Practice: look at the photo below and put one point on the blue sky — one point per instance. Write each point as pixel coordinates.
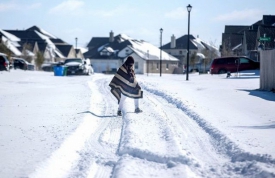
(142, 19)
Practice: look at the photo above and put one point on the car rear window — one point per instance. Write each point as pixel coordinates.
(221, 61)
(73, 60)
(3, 59)
(231, 61)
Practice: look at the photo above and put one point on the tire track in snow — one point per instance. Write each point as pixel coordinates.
(75, 157)
(222, 144)
(198, 143)
(161, 147)
(99, 155)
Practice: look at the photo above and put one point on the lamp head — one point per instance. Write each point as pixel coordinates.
(189, 7)
(161, 30)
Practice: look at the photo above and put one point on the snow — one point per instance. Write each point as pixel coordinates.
(209, 126)
(144, 49)
(125, 37)
(46, 33)
(44, 37)
(12, 45)
(236, 47)
(9, 36)
(82, 49)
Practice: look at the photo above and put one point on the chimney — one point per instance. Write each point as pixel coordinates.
(173, 41)
(111, 39)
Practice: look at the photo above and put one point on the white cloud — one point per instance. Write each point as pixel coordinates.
(179, 13)
(247, 14)
(70, 5)
(114, 12)
(74, 31)
(34, 6)
(10, 6)
(7, 6)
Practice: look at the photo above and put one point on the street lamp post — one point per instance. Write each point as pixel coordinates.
(161, 30)
(75, 47)
(189, 7)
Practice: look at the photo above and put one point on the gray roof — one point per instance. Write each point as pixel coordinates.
(232, 39)
(95, 43)
(268, 20)
(181, 43)
(64, 49)
(235, 28)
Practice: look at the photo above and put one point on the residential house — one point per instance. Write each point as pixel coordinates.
(245, 40)
(232, 39)
(79, 53)
(178, 49)
(267, 32)
(108, 54)
(37, 39)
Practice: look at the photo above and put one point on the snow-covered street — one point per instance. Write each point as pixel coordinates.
(209, 126)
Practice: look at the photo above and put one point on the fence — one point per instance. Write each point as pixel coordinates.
(267, 70)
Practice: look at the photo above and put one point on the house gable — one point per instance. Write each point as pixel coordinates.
(181, 43)
(235, 28)
(65, 49)
(268, 20)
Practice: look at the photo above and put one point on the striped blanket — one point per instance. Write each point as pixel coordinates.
(123, 84)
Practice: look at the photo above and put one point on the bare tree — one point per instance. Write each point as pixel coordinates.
(25, 52)
(39, 59)
(5, 49)
(193, 58)
(209, 55)
(226, 48)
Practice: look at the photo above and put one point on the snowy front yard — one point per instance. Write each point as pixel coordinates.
(209, 126)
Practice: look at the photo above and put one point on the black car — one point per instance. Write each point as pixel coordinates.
(49, 67)
(20, 63)
(4, 62)
(77, 66)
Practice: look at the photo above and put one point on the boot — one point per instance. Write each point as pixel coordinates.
(137, 110)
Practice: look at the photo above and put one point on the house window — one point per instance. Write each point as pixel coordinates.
(157, 66)
(136, 65)
(167, 66)
(180, 52)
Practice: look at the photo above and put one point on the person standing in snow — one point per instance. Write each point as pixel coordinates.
(124, 84)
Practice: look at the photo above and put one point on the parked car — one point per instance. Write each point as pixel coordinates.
(199, 67)
(77, 66)
(4, 62)
(20, 63)
(48, 67)
(232, 64)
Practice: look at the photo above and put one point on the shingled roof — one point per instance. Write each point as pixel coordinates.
(235, 28)
(25, 35)
(181, 43)
(268, 20)
(100, 43)
(232, 39)
(64, 49)
(97, 41)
